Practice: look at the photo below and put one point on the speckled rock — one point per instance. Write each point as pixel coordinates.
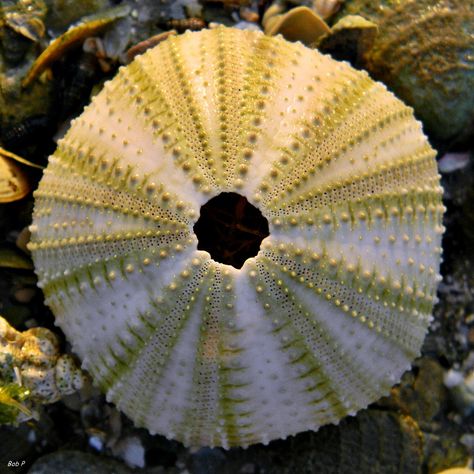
(32, 360)
(62, 13)
(439, 84)
(77, 462)
(421, 392)
(373, 442)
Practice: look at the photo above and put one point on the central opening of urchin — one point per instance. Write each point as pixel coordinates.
(230, 229)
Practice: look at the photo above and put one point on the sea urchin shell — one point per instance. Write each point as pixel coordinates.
(332, 309)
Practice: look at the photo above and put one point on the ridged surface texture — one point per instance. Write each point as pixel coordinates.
(373, 442)
(424, 52)
(335, 305)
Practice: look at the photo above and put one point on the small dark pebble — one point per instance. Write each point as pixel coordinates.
(207, 461)
(78, 75)
(77, 462)
(30, 130)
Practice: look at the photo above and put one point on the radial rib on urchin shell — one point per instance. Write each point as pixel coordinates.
(331, 311)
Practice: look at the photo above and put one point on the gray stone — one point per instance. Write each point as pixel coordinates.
(76, 462)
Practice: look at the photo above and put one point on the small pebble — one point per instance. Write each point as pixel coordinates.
(96, 443)
(248, 15)
(192, 8)
(470, 336)
(468, 440)
(469, 318)
(247, 468)
(453, 378)
(461, 389)
(23, 239)
(131, 451)
(245, 25)
(24, 295)
(73, 401)
(453, 162)
(32, 436)
(468, 363)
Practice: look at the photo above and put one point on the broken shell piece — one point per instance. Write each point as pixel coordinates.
(461, 388)
(326, 8)
(141, 47)
(25, 17)
(19, 159)
(272, 12)
(22, 240)
(34, 29)
(298, 24)
(14, 184)
(457, 470)
(350, 38)
(12, 258)
(89, 26)
(454, 161)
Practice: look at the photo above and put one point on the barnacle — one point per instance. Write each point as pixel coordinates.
(326, 316)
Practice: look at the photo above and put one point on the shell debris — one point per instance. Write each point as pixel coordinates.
(326, 8)
(88, 26)
(25, 17)
(14, 184)
(31, 359)
(297, 24)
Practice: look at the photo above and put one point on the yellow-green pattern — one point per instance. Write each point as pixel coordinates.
(328, 315)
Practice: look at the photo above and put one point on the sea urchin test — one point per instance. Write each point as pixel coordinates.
(208, 141)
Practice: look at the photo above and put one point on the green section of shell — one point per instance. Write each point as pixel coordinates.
(327, 316)
(425, 53)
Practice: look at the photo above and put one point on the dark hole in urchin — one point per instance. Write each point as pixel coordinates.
(230, 229)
